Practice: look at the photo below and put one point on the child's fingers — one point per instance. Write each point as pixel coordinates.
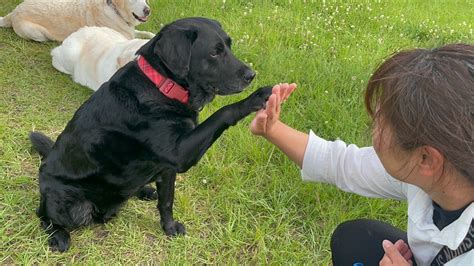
(400, 244)
(282, 89)
(393, 253)
(403, 248)
(262, 120)
(271, 106)
(274, 106)
(276, 89)
(277, 105)
(408, 255)
(290, 90)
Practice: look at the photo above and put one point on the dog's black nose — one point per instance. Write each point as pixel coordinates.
(249, 75)
(146, 11)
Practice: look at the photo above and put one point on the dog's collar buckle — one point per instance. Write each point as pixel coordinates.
(166, 86)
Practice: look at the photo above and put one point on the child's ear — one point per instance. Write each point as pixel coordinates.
(431, 162)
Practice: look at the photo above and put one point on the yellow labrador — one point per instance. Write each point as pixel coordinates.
(92, 55)
(43, 20)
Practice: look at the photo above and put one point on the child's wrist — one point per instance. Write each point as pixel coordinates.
(272, 132)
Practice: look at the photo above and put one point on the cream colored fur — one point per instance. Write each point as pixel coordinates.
(93, 54)
(43, 20)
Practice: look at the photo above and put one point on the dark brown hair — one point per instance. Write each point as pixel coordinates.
(427, 98)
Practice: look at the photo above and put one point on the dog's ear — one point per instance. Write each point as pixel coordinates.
(120, 4)
(216, 22)
(174, 48)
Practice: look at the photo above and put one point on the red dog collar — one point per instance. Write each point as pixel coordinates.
(167, 86)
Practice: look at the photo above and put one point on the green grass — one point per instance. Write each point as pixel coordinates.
(244, 202)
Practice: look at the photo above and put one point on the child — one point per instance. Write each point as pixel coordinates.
(422, 106)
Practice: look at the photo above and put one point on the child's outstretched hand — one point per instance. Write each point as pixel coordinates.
(265, 119)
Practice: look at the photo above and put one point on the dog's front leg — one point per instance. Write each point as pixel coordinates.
(143, 34)
(165, 189)
(192, 145)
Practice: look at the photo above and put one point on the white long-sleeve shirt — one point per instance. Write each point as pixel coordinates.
(360, 171)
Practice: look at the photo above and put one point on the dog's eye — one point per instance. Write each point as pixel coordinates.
(218, 50)
(214, 54)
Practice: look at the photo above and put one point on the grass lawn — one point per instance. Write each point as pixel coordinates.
(244, 202)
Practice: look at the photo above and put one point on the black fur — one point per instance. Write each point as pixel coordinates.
(128, 134)
(41, 143)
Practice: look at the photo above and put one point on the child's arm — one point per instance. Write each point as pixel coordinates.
(349, 167)
(267, 124)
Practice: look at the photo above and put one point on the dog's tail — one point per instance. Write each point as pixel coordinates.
(5, 21)
(41, 143)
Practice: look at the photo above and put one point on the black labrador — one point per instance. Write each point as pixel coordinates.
(131, 133)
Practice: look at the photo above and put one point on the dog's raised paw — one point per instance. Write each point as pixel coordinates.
(258, 99)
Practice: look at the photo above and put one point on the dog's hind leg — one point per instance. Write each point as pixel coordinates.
(147, 193)
(28, 30)
(5, 21)
(165, 189)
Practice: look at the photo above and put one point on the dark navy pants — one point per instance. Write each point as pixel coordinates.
(361, 241)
